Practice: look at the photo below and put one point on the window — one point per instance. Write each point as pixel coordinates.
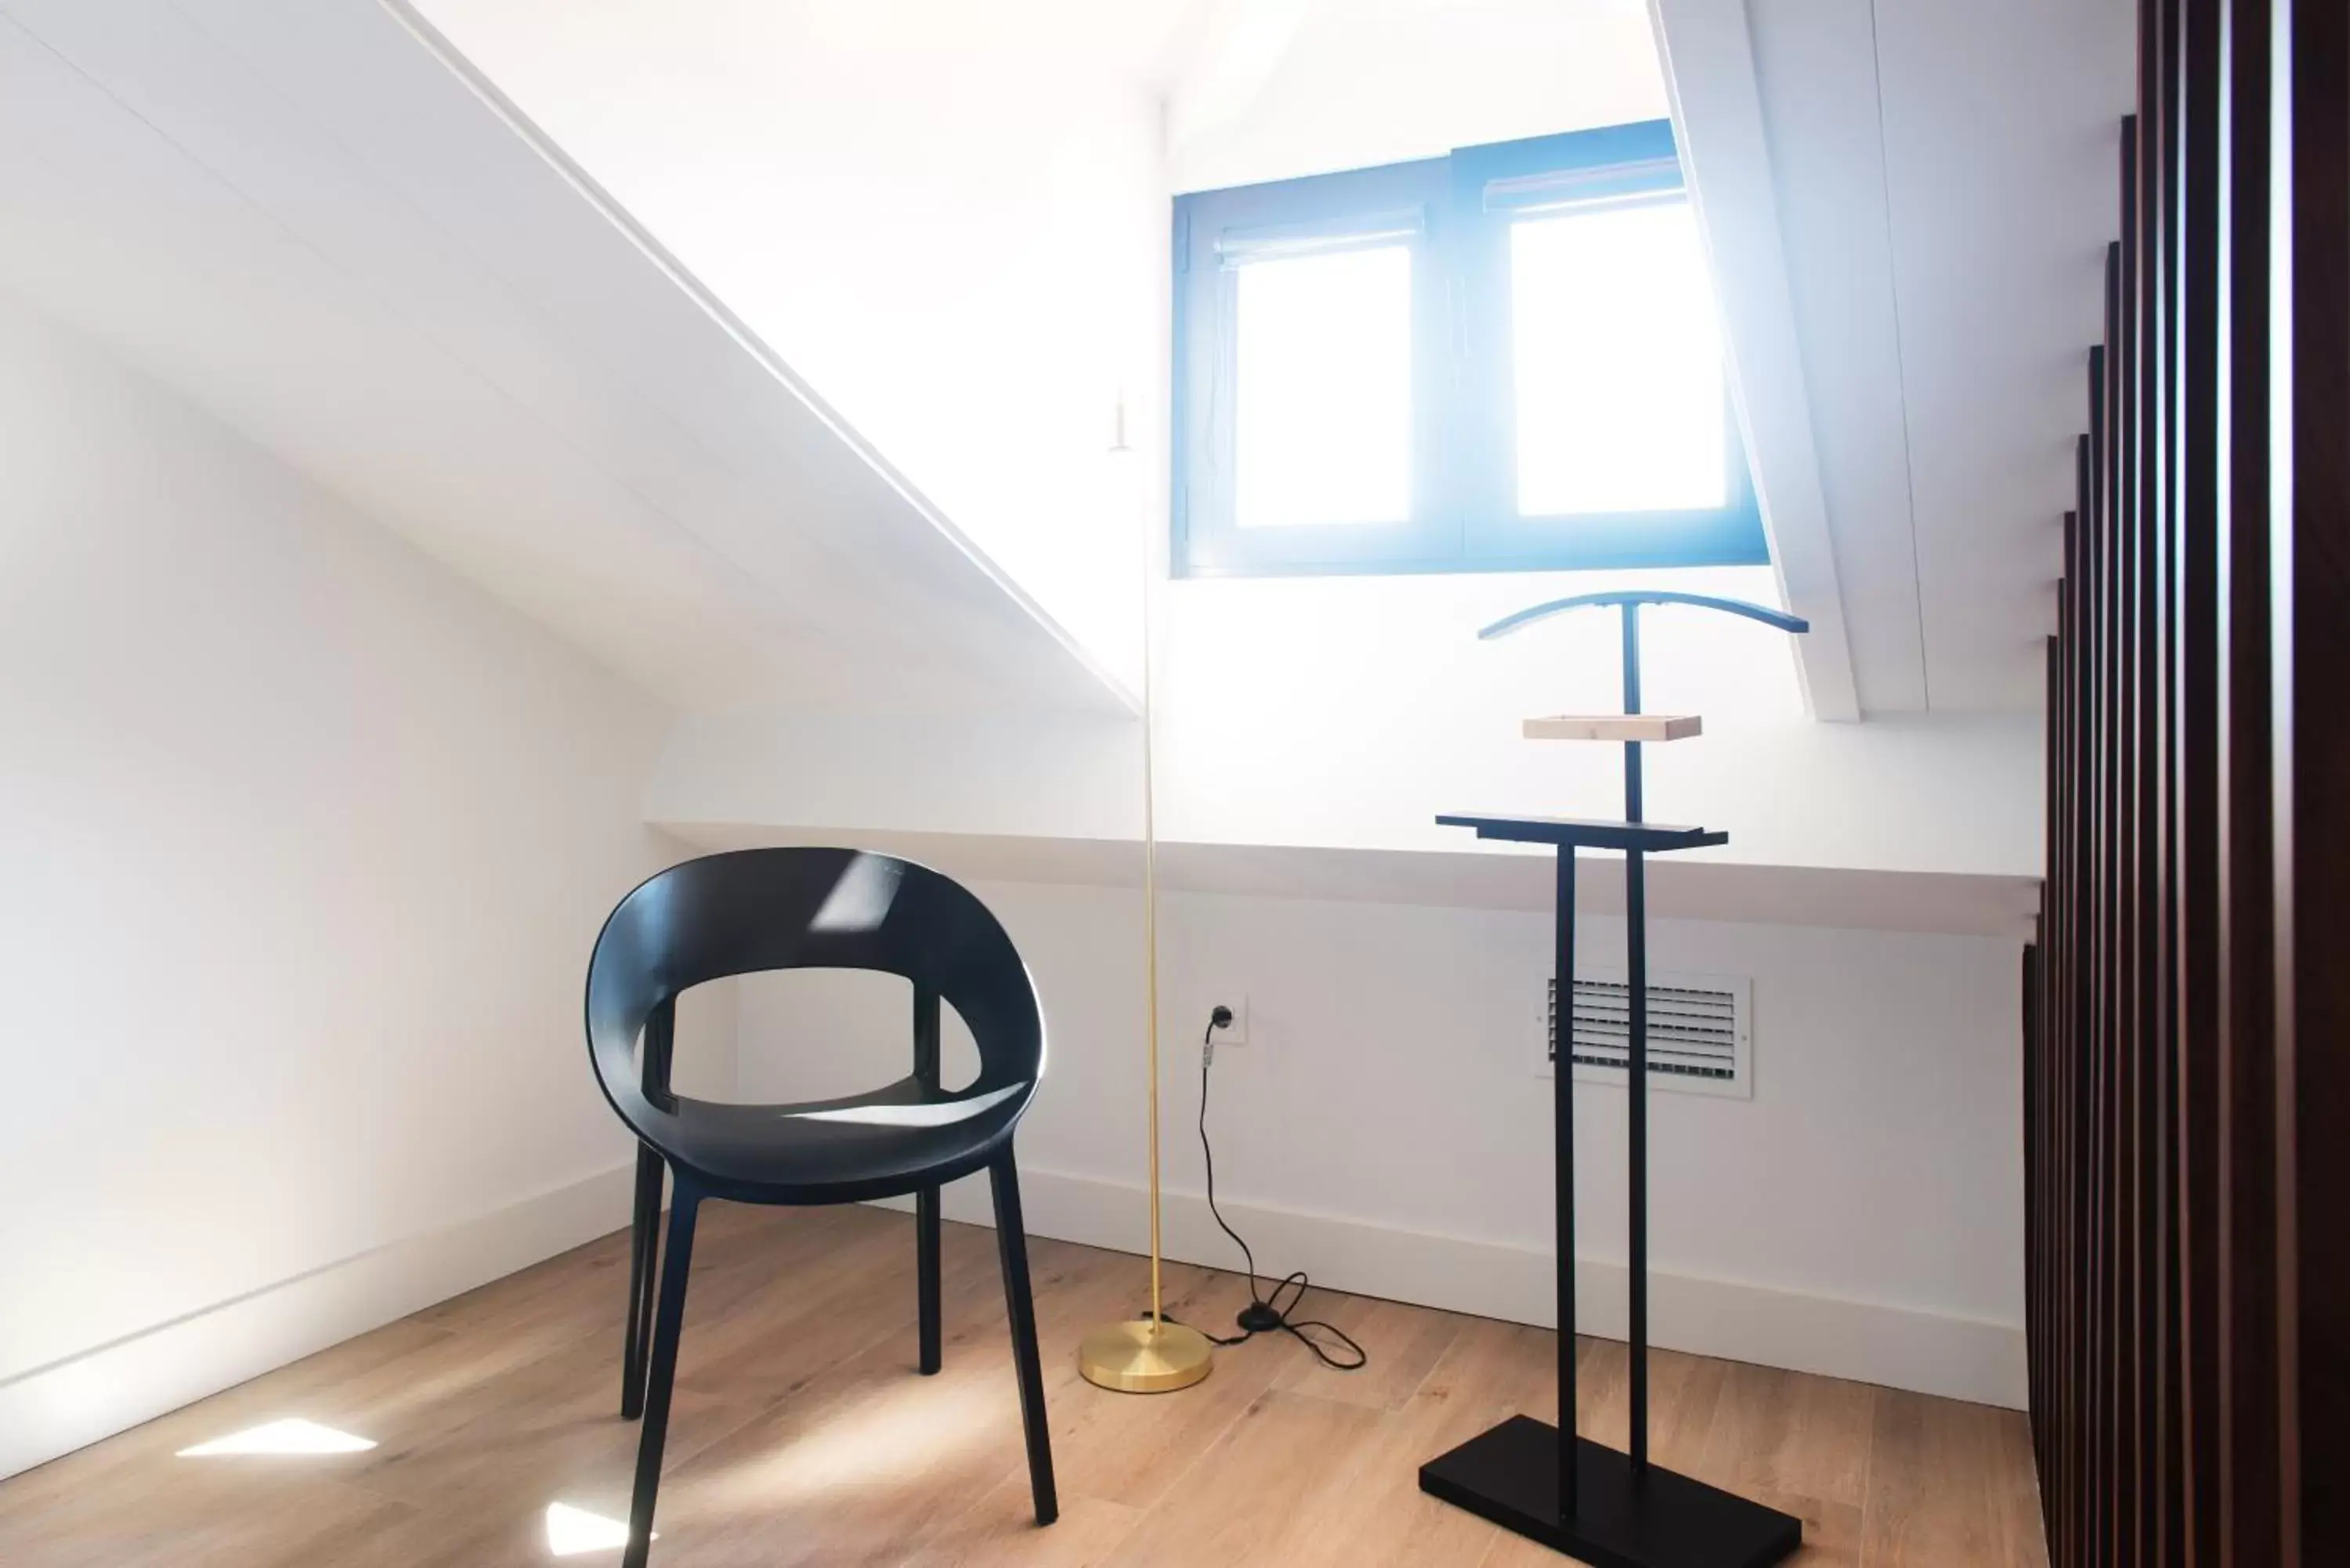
(1504, 359)
(1322, 397)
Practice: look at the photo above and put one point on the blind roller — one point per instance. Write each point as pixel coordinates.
(1613, 184)
(1285, 242)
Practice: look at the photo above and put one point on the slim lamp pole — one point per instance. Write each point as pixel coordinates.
(1150, 935)
(1148, 1355)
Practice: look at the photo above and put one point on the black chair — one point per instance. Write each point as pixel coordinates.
(759, 910)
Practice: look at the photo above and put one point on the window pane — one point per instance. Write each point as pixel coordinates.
(1322, 401)
(1618, 363)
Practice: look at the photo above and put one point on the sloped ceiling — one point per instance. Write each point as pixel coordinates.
(1909, 200)
(1272, 89)
(302, 218)
(299, 215)
(1911, 221)
(1945, 177)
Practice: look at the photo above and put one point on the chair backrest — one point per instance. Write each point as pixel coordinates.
(757, 909)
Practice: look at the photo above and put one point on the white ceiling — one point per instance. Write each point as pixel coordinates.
(1946, 182)
(1271, 89)
(1937, 182)
(305, 221)
(297, 214)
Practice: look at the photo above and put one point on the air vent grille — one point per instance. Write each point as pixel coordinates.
(1698, 1036)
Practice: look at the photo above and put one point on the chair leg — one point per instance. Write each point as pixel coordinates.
(1012, 1244)
(667, 1323)
(644, 1254)
(926, 1274)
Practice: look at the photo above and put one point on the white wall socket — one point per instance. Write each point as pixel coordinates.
(1237, 1034)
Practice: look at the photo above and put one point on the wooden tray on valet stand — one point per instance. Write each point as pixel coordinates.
(1612, 1510)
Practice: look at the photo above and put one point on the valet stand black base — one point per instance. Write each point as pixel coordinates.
(1622, 1518)
(1610, 1509)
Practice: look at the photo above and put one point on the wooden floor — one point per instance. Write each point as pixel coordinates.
(802, 1434)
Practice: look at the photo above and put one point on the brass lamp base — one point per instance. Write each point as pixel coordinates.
(1139, 1356)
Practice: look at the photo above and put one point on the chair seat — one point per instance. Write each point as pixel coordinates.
(895, 1139)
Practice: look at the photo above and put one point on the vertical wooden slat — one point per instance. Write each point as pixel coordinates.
(2151, 1048)
(2188, 989)
(2249, 1500)
(2310, 542)
(2121, 1367)
(2195, 835)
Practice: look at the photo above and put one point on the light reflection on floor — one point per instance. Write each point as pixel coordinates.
(897, 1435)
(290, 1436)
(571, 1531)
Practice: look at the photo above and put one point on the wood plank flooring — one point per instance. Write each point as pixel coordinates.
(801, 1435)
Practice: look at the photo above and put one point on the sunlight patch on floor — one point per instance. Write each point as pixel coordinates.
(291, 1436)
(573, 1532)
(899, 1436)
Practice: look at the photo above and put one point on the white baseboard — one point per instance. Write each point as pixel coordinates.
(1869, 1342)
(55, 1409)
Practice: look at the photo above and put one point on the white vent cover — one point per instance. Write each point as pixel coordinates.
(1699, 1037)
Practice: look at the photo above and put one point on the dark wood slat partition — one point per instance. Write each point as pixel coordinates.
(2187, 1097)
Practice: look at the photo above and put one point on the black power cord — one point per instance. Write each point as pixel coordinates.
(1267, 1312)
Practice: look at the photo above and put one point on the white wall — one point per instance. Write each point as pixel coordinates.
(992, 774)
(1364, 82)
(1861, 1215)
(306, 840)
(1349, 711)
(954, 227)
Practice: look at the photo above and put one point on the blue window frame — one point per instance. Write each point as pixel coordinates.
(1505, 359)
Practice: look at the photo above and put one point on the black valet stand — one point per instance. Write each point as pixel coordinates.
(1612, 1510)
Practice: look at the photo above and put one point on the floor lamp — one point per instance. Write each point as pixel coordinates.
(1147, 1354)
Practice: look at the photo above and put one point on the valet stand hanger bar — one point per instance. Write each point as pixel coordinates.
(1633, 598)
(1609, 1509)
